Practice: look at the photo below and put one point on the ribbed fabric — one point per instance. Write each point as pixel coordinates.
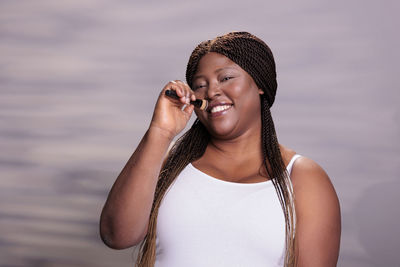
(204, 221)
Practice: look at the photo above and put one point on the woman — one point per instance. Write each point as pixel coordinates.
(227, 194)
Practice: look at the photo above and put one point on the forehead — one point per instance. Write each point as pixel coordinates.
(213, 61)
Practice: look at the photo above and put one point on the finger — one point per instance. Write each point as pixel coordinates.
(189, 92)
(184, 91)
(188, 109)
(191, 95)
(171, 85)
(175, 86)
(178, 89)
(187, 97)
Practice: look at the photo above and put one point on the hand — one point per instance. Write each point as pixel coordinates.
(171, 115)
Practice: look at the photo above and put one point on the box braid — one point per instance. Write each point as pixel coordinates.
(255, 57)
(276, 168)
(187, 148)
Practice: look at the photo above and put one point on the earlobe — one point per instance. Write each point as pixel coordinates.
(261, 92)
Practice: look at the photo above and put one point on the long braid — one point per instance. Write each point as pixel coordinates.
(255, 57)
(187, 148)
(274, 165)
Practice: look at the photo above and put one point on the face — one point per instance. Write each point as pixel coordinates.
(234, 98)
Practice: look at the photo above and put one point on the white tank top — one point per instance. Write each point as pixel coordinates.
(204, 221)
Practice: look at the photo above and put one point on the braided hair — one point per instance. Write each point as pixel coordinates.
(255, 57)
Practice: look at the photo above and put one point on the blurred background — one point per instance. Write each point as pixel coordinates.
(79, 80)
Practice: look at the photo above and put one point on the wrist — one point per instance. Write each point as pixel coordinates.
(161, 133)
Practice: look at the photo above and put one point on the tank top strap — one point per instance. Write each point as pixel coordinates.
(291, 162)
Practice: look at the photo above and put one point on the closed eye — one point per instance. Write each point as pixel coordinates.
(199, 86)
(226, 78)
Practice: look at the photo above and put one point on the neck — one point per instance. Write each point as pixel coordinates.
(240, 149)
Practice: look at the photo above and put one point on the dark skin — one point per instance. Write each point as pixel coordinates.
(235, 147)
(233, 154)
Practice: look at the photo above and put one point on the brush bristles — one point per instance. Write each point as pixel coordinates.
(200, 103)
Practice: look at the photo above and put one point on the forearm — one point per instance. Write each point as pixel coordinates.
(126, 212)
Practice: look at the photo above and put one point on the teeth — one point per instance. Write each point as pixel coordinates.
(219, 108)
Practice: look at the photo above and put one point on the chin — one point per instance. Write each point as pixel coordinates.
(224, 131)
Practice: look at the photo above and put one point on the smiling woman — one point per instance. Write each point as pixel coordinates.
(224, 83)
(227, 193)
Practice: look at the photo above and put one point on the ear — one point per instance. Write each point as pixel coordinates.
(261, 92)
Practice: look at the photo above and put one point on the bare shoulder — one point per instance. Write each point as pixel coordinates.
(308, 175)
(312, 185)
(317, 212)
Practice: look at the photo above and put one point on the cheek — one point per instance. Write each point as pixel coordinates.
(237, 91)
(200, 93)
(200, 114)
(242, 88)
(246, 94)
(251, 104)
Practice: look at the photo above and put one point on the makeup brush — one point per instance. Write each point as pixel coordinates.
(198, 103)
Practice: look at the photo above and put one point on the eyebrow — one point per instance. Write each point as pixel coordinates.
(216, 71)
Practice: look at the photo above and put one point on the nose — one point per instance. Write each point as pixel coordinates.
(213, 90)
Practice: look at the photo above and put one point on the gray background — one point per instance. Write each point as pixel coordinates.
(79, 80)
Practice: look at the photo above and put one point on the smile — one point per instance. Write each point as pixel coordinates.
(220, 108)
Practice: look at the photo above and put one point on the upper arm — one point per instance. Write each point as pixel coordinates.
(318, 222)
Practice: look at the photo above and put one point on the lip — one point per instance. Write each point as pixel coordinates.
(219, 113)
(214, 104)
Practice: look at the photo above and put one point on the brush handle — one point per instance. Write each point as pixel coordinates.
(198, 103)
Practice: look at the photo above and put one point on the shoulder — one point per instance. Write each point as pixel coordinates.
(312, 185)
(317, 212)
(307, 175)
